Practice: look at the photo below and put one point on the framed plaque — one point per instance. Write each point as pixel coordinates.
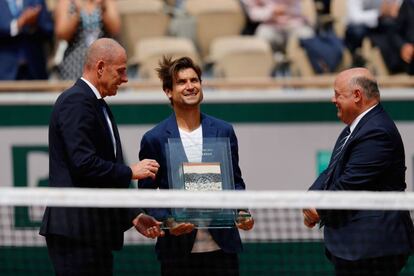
(214, 172)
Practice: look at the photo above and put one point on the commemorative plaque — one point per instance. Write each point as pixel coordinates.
(212, 172)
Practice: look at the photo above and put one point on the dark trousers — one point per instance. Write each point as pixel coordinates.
(380, 266)
(217, 263)
(76, 258)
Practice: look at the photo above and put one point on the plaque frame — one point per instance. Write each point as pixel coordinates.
(213, 173)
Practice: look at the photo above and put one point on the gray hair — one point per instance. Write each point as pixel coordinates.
(368, 85)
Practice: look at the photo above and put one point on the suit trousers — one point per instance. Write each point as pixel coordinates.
(379, 266)
(217, 263)
(72, 257)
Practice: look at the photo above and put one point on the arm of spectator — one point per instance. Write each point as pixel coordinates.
(111, 18)
(407, 52)
(258, 11)
(67, 18)
(390, 9)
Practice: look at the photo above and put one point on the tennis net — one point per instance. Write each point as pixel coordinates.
(279, 243)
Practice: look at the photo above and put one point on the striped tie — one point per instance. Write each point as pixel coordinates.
(342, 139)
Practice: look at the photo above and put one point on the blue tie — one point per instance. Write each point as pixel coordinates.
(336, 154)
(105, 109)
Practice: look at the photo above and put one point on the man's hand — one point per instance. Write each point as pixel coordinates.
(407, 52)
(244, 221)
(310, 217)
(144, 169)
(179, 228)
(148, 226)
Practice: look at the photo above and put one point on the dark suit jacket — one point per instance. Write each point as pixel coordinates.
(372, 160)
(153, 146)
(28, 45)
(404, 32)
(81, 155)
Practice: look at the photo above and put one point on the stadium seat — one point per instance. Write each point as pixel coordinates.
(309, 11)
(373, 57)
(241, 56)
(215, 18)
(149, 51)
(338, 13)
(141, 19)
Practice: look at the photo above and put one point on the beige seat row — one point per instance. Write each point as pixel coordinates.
(217, 40)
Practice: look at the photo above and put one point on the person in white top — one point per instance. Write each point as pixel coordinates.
(186, 250)
(369, 18)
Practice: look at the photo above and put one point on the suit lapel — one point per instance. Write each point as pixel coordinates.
(172, 132)
(376, 110)
(102, 120)
(172, 127)
(209, 131)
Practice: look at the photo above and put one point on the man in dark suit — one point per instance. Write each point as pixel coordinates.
(402, 40)
(25, 27)
(185, 250)
(85, 152)
(369, 156)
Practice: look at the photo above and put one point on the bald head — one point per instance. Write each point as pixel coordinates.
(356, 91)
(105, 49)
(362, 79)
(106, 66)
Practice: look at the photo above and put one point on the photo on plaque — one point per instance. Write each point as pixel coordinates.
(202, 176)
(214, 172)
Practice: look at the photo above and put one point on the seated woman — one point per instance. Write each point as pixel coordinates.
(80, 22)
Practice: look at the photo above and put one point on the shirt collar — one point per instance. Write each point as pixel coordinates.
(94, 90)
(360, 116)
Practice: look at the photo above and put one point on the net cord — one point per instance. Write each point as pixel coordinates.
(84, 197)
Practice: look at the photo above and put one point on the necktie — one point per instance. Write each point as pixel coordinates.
(336, 154)
(326, 215)
(105, 110)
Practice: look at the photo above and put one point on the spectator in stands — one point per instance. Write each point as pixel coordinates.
(368, 156)
(403, 37)
(25, 28)
(277, 20)
(185, 250)
(85, 152)
(80, 22)
(323, 6)
(374, 19)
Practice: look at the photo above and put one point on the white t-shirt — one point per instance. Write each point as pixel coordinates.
(193, 147)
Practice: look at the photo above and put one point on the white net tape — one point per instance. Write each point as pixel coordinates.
(221, 199)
